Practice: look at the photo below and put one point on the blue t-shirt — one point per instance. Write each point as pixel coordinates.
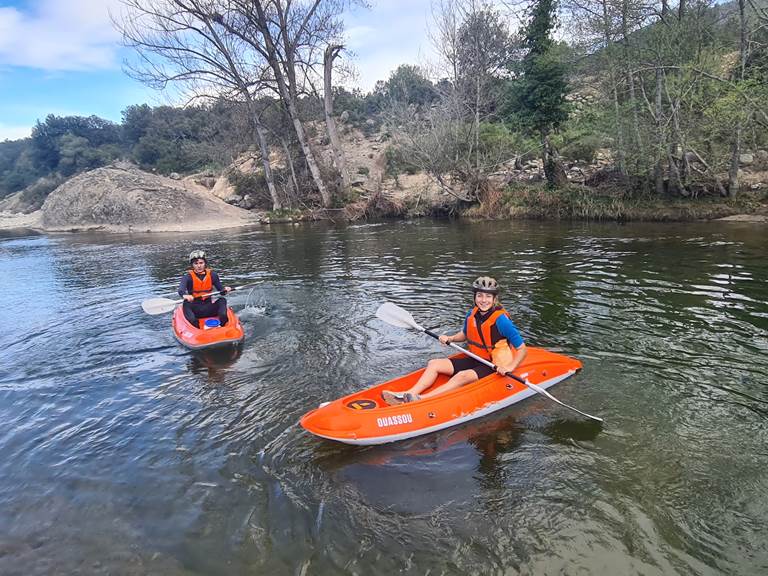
(505, 328)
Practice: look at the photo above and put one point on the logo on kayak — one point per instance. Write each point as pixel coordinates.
(362, 404)
(394, 420)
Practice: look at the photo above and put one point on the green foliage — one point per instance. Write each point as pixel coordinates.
(580, 203)
(362, 110)
(180, 139)
(536, 100)
(64, 140)
(17, 167)
(253, 185)
(407, 85)
(498, 141)
(584, 133)
(398, 163)
(136, 121)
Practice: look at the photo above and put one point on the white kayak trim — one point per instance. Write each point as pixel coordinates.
(217, 344)
(484, 411)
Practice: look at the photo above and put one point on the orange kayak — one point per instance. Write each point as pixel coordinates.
(364, 418)
(199, 338)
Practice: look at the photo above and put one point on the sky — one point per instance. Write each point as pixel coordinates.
(64, 57)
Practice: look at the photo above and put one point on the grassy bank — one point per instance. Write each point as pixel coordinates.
(580, 203)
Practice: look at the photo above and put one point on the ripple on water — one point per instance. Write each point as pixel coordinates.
(123, 452)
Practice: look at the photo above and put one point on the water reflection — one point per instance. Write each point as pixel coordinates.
(214, 363)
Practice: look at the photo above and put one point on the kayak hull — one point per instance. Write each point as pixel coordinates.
(363, 418)
(196, 338)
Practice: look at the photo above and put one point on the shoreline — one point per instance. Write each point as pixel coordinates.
(529, 204)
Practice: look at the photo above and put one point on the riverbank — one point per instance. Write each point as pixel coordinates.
(515, 202)
(582, 203)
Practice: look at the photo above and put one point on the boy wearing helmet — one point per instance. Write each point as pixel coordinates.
(489, 333)
(197, 282)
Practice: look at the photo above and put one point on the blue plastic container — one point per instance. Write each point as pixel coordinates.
(212, 323)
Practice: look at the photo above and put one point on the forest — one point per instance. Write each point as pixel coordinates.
(675, 96)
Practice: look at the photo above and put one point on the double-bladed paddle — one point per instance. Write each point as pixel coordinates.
(156, 306)
(393, 314)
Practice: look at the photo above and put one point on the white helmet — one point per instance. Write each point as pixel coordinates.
(485, 284)
(196, 255)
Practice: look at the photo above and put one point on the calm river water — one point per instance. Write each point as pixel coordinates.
(123, 453)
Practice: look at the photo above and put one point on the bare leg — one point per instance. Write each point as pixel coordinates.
(457, 381)
(434, 368)
(428, 377)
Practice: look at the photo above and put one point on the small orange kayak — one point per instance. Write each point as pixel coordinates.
(200, 338)
(364, 418)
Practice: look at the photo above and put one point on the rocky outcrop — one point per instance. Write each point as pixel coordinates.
(121, 197)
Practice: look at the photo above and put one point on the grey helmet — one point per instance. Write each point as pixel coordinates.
(196, 255)
(486, 284)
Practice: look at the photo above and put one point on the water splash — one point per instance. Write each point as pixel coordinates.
(255, 304)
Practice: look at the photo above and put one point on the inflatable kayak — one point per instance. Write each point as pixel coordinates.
(364, 418)
(200, 338)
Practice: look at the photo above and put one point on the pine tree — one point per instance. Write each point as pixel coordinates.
(538, 95)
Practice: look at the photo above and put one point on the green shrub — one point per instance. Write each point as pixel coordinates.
(582, 149)
(397, 163)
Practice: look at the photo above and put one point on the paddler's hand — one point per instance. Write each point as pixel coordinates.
(188, 297)
(444, 340)
(503, 370)
(228, 289)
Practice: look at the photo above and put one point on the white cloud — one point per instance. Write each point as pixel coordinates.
(56, 35)
(14, 132)
(391, 33)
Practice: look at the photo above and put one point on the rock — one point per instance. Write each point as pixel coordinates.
(222, 188)
(344, 117)
(746, 159)
(122, 199)
(233, 199)
(248, 202)
(370, 122)
(358, 179)
(174, 176)
(761, 160)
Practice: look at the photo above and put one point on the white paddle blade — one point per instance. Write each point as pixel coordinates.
(393, 314)
(156, 306)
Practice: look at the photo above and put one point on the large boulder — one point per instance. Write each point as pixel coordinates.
(121, 197)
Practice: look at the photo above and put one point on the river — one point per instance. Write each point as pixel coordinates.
(123, 453)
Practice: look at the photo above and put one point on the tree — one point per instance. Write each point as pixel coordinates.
(408, 85)
(538, 95)
(483, 52)
(291, 37)
(189, 42)
(331, 53)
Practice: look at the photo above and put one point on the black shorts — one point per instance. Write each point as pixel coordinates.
(467, 363)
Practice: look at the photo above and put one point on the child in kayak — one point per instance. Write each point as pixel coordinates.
(489, 333)
(200, 280)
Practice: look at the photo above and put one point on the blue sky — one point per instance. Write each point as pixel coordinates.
(64, 57)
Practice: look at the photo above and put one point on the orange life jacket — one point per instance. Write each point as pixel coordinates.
(479, 341)
(203, 286)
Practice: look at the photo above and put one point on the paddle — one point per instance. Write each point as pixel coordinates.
(393, 314)
(156, 306)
